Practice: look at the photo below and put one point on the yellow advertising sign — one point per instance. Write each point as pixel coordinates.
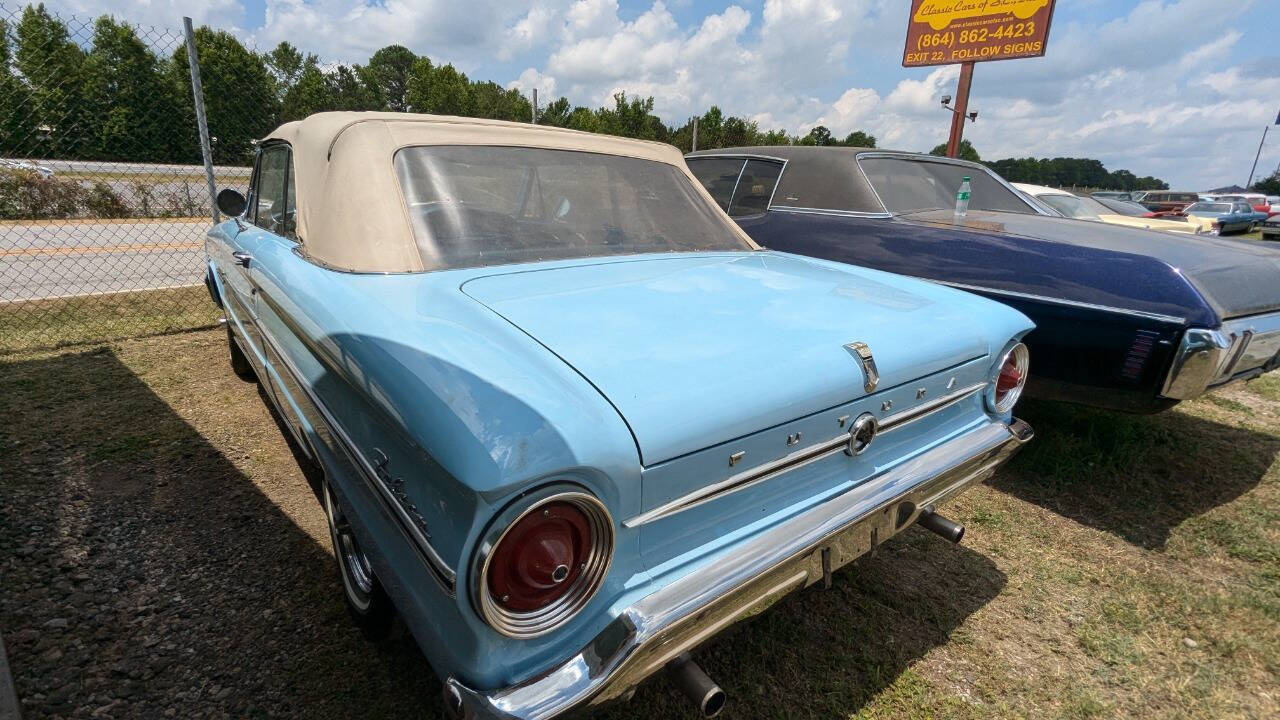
(944, 32)
(941, 13)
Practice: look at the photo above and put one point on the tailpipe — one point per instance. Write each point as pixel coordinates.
(932, 521)
(694, 683)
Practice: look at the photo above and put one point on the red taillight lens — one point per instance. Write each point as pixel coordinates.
(1011, 378)
(539, 559)
(543, 564)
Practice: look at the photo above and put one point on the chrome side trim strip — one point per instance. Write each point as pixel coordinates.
(442, 572)
(901, 419)
(792, 461)
(1060, 301)
(836, 213)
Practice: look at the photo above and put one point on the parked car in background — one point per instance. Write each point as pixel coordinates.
(26, 166)
(1112, 195)
(1223, 217)
(1271, 228)
(1274, 202)
(1125, 318)
(1257, 201)
(573, 422)
(1164, 200)
(1088, 208)
(1133, 209)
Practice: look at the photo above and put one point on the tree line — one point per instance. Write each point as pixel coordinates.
(114, 98)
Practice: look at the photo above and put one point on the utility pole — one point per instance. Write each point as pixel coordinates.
(695, 134)
(534, 120)
(962, 107)
(1256, 156)
(197, 98)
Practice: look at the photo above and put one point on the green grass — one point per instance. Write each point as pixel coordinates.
(95, 318)
(1089, 563)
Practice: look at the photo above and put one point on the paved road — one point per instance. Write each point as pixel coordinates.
(121, 168)
(59, 259)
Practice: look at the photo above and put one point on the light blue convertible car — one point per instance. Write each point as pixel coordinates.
(572, 421)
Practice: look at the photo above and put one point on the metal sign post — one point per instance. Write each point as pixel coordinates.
(962, 107)
(197, 95)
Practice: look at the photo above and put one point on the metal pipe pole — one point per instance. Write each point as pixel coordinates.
(695, 134)
(535, 107)
(1256, 156)
(962, 107)
(197, 96)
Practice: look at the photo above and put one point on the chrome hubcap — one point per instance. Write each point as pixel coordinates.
(357, 572)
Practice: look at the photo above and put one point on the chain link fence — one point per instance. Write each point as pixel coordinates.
(103, 198)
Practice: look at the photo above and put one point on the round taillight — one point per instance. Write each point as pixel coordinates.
(546, 565)
(1011, 378)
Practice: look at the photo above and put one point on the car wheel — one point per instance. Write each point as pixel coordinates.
(367, 602)
(239, 363)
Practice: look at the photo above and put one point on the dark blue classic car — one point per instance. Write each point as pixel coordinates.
(1125, 318)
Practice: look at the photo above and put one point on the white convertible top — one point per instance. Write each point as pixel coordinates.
(351, 214)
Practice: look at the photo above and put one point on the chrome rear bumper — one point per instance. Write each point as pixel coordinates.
(751, 577)
(1241, 349)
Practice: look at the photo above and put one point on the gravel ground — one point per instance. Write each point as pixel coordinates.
(162, 554)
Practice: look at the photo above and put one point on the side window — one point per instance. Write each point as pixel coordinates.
(271, 201)
(718, 175)
(755, 187)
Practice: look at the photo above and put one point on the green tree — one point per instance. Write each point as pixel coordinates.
(17, 122)
(53, 66)
(449, 93)
(710, 129)
(820, 135)
(1267, 186)
(388, 71)
(490, 100)
(351, 89)
(417, 93)
(286, 64)
(310, 93)
(135, 112)
(858, 138)
(239, 94)
(556, 113)
(966, 151)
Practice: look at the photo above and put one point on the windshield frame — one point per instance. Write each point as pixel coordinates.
(918, 157)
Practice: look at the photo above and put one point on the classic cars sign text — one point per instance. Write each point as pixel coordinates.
(945, 32)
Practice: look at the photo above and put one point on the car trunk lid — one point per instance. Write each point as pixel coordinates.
(696, 350)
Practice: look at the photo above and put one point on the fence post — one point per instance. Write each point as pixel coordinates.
(197, 94)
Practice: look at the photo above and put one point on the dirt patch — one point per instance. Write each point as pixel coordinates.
(162, 553)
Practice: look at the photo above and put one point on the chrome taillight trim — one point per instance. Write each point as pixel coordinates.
(1022, 356)
(524, 625)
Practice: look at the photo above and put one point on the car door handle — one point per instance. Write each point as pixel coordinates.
(242, 258)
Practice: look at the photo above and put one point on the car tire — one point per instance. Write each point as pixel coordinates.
(370, 607)
(239, 363)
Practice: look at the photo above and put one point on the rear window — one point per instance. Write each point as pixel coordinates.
(913, 184)
(479, 205)
(1206, 207)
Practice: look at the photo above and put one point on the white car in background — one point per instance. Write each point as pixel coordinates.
(1087, 208)
(26, 166)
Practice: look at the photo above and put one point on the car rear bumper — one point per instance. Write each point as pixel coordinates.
(752, 576)
(1241, 349)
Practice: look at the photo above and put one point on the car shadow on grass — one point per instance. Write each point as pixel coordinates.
(1135, 476)
(827, 653)
(141, 569)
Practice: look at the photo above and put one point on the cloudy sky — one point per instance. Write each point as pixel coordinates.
(1180, 89)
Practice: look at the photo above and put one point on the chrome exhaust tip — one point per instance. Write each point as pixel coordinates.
(695, 685)
(933, 522)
